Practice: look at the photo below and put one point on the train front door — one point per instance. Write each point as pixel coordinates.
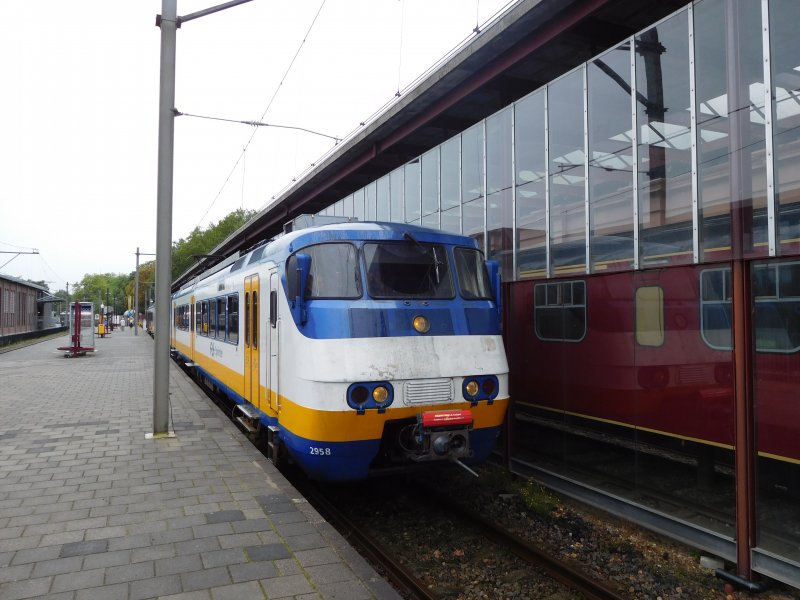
(252, 388)
(273, 336)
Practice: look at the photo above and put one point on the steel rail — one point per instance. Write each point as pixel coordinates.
(563, 572)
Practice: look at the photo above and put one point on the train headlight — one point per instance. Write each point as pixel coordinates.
(480, 387)
(380, 394)
(359, 394)
(421, 324)
(372, 395)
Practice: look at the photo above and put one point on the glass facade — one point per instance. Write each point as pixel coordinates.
(629, 199)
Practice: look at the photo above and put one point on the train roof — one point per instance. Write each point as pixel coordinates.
(279, 249)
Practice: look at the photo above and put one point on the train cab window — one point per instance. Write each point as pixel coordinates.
(407, 270)
(715, 308)
(776, 289)
(472, 277)
(233, 318)
(650, 316)
(559, 311)
(334, 272)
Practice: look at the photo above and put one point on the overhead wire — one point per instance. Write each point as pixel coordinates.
(269, 104)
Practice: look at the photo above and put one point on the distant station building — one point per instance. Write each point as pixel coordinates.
(634, 168)
(26, 309)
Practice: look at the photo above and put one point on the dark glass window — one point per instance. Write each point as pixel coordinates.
(233, 318)
(472, 277)
(559, 311)
(776, 288)
(407, 270)
(222, 320)
(334, 272)
(715, 308)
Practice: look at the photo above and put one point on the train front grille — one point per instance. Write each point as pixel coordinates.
(428, 391)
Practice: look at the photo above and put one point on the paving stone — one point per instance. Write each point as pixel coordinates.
(221, 558)
(29, 588)
(267, 552)
(209, 578)
(250, 590)
(225, 516)
(350, 590)
(82, 548)
(283, 587)
(155, 587)
(117, 591)
(253, 570)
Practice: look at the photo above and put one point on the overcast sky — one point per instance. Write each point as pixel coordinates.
(79, 122)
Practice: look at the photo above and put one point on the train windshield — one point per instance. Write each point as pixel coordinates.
(334, 272)
(472, 276)
(408, 269)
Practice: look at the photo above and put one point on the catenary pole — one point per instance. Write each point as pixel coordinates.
(168, 23)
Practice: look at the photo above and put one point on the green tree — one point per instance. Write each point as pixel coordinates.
(202, 241)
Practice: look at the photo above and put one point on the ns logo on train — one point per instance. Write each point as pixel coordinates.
(353, 348)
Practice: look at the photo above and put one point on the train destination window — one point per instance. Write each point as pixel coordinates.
(407, 270)
(472, 277)
(559, 311)
(650, 316)
(233, 318)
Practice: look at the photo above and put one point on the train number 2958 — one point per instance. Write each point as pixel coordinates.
(319, 451)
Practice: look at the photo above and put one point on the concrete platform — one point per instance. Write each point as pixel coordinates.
(90, 509)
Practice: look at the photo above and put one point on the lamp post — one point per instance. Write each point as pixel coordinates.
(136, 293)
(168, 21)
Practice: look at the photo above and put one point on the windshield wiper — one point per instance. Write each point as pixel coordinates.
(429, 251)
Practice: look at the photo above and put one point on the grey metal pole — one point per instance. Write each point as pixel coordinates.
(166, 143)
(136, 297)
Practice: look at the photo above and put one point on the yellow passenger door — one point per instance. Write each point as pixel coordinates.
(251, 351)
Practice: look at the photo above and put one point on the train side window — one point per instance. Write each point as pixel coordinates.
(212, 318)
(715, 308)
(233, 318)
(255, 319)
(204, 309)
(650, 316)
(273, 309)
(776, 289)
(247, 319)
(222, 320)
(559, 311)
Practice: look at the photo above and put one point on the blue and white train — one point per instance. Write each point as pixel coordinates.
(354, 348)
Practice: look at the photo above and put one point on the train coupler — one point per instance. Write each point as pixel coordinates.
(442, 435)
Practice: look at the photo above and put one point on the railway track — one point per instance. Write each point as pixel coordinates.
(411, 584)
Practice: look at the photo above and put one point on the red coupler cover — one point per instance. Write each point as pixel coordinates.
(446, 418)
